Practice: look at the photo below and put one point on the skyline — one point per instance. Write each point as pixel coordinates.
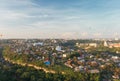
(59, 18)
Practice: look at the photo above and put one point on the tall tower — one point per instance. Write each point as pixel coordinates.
(105, 43)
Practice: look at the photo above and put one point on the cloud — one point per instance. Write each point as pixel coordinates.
(84, 34)
(68, 35)
(9, 15)
(53, 19)
(97, 34)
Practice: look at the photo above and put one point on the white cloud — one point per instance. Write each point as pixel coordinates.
(29, 19)
(84, 34)
(68, 35)
(9, 15)
(97, 34)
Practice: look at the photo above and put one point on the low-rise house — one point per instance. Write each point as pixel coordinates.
(94, 71)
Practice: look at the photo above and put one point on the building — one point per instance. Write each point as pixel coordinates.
(38, 44)
(58, 48)
(105, 44)
(93, 44)
(115, 45)
(94, 71)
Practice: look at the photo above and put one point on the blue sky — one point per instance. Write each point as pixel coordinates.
(60, 18)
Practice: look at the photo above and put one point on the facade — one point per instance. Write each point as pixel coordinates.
(58, 48)
(116, 45)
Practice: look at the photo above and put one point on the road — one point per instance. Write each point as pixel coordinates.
(30, 65)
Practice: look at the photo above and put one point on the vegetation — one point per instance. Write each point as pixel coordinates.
(25, 73)
(20, 73)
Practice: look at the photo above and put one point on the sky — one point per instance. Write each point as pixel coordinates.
(60, 18)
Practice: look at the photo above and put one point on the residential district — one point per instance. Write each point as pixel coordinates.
(84, 56)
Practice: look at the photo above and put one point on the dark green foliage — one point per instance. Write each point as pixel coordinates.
(20, 73)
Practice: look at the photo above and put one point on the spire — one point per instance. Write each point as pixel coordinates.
(105, 43)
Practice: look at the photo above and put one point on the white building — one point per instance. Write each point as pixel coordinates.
(58, 48)
(93, 44)
(105, 44)
(64, 55)
(38, 44)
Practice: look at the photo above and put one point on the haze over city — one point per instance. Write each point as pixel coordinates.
(59, 18)
(59, 40)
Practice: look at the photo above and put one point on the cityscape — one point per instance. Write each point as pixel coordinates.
(59, 40)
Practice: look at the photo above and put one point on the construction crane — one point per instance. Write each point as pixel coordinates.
(0, 39)
(1, 36)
